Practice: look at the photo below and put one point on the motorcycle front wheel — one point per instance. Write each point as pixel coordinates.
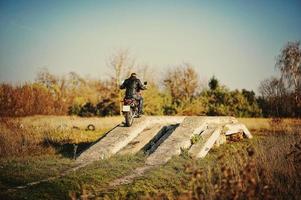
(129, 118)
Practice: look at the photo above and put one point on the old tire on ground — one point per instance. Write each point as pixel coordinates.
(90, 127)
(128, 119)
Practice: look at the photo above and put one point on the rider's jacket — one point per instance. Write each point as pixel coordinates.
(133, 86)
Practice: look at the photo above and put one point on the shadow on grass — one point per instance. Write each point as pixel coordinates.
(72, 150)
(66, 149)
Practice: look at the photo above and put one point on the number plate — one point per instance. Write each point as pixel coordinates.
(126, 108)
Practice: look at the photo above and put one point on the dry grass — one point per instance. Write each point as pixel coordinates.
(35, 135)
(58, 122)
(256, 123)
(17, 141)
(271, 125)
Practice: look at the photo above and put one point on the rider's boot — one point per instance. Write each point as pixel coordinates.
(140, 113)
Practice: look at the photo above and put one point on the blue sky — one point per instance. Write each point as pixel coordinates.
(237, 41)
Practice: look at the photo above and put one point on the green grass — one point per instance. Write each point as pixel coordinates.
(20, 171)
(96, 175)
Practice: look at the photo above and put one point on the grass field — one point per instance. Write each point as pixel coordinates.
(34, 148)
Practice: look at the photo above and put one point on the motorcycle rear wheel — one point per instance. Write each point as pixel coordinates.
(129, 118)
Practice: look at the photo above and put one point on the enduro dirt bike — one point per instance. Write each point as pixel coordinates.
(130, 110)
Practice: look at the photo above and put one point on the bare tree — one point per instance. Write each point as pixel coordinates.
(275, 94)
(122, 65)
(145, 72)
(47, 79)
(289, 64)
(182, 82)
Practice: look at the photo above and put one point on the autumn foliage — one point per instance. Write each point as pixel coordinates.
(178, 91)
(28, 99)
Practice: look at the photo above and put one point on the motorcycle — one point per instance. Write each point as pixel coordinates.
(130, 110)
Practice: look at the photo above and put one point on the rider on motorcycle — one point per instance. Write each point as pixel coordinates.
(133, 86)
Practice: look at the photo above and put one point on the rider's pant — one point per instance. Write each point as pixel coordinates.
(140, 100)
(141, 105)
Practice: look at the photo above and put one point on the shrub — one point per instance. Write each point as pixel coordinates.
(88, 110)
(74, 109)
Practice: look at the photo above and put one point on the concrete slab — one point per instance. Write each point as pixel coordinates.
(200, 150)
(195, 148)
(180, 138)
(221, 140)
(141, 140)
(237, 128)
(159, 139)
(222, 120)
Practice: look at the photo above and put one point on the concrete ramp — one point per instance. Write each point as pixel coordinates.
(120, 136)
(161, 138)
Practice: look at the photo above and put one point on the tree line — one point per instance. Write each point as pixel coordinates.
(281, 96)
(178, 92)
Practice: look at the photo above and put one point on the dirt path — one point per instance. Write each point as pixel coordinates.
(138, 172)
